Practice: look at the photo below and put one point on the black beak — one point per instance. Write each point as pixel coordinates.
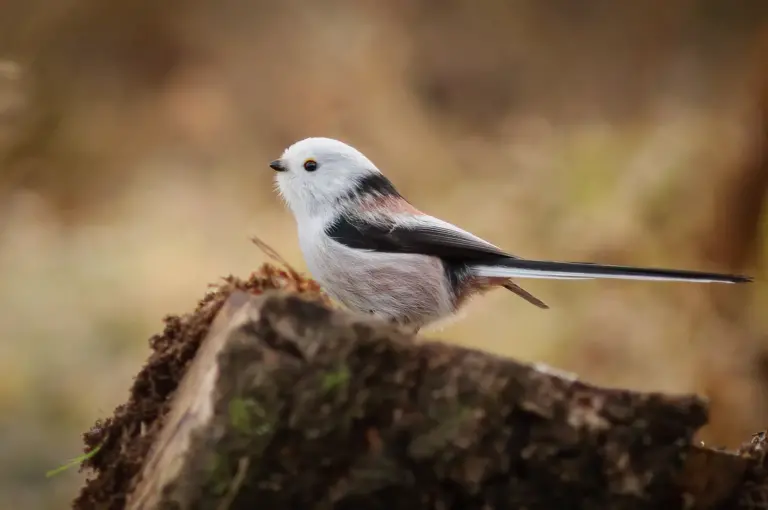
(277, 166)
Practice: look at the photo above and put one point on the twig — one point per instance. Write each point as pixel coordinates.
(237, 482)
(272, 253)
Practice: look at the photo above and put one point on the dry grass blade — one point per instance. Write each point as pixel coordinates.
(272, 253)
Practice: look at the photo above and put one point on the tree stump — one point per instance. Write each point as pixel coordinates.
(290, 404)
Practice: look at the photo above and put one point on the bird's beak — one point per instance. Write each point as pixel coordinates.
(277, 165)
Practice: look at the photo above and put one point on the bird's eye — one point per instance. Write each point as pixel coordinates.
(310, 165)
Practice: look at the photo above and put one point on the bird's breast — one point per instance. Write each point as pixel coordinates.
(409, 288)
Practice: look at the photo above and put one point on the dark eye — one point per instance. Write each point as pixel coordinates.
(310, 165)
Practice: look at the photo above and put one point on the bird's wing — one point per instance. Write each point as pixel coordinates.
(427, 235)
(408, 233)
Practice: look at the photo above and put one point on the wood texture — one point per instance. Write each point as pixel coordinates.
(289, 404)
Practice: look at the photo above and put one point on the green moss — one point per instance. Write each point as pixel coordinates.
(248, 417)
(336, 378)
(448, 424)
(452, 420)
(252, 425)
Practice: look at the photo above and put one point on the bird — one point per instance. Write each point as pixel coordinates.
(375, 253)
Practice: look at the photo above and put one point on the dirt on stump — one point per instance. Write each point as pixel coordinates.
(125, 438)
(753, 494)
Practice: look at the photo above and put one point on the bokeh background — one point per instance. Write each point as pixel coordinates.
(135, 137)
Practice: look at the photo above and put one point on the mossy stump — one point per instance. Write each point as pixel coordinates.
(290, 404)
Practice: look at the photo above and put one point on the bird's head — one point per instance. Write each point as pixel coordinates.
(315, 174)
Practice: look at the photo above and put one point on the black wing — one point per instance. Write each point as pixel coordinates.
(435, 237)
(454, 246)
(430, 236)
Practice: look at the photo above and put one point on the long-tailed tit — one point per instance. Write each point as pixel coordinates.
(374, 252)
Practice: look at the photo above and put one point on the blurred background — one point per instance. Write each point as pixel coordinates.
(135, 137)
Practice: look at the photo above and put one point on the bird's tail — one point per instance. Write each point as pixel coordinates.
(522, 268)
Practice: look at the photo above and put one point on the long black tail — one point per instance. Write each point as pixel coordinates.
(522, 268)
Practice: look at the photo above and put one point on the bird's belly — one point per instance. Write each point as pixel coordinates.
(410, 289)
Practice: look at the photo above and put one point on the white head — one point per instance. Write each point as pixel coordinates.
(315, 173)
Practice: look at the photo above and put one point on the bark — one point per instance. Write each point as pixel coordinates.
(289, 404)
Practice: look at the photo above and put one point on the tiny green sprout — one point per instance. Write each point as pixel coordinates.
(74, 462)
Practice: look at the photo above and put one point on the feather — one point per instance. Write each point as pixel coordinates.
(411, 233)
(426, 235)
(520, 268)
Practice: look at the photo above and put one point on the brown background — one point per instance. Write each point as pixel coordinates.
(135, 137)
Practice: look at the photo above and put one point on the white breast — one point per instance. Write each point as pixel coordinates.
(408, 288)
